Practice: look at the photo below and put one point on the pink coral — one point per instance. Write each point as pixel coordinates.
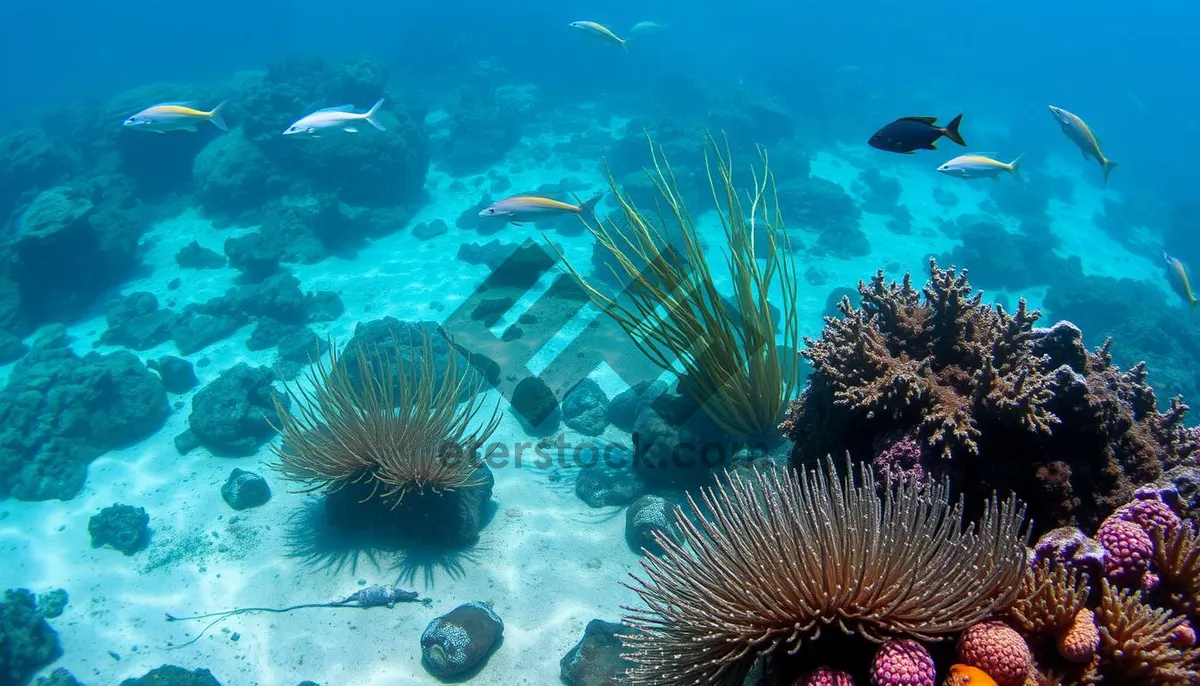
(1150, 514)
(1129, 550)
(997, 649)
(825, 676)
(1184, 636)
(902, 663)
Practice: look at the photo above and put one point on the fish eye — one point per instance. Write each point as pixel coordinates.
(491, 210)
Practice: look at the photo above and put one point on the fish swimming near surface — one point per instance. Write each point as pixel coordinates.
(978, 166)
(340, 118)
(965, 675)
(600, 31)
(909, 134)
(174, 116)
(1181, 283)
(1081, 134)
(529, 207)
(646, 27)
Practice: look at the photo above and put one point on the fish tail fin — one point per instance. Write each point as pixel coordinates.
(624, 44)
(372, 115)
(588, 207)
(1108, 165)
(215, 116)
(951, 131)
(1013, 168)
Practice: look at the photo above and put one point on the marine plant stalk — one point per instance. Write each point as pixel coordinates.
(740, 365)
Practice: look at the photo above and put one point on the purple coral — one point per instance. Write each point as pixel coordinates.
(1073, 548)
(1149, 513)
(902, 663)
(900, 459)
(1129, 550)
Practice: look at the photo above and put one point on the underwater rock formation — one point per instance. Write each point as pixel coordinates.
(820, 206)
(60, 411)
(27, 641)
(234, 414)
(997, 405)
(123, 527)
(596, 660)
(460, 640)
(243, 490)
(171, 675)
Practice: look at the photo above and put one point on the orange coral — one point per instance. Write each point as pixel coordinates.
(1177, 563)
(1137, 642)
(1081, 641)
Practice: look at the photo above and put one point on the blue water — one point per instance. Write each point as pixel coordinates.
(811, 81)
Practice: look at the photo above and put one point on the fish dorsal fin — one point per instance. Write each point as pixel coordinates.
(923, 120)
(337, 108)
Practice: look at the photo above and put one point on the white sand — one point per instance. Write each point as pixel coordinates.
(547, 562)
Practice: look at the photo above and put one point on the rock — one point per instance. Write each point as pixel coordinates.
(195, 256)
(136, 322)
(596, 660)
(232, 416)
(427, 230)
(195, 329)
(585, 408)
(176, 373)
(243, 490)
(535, 406)
(460, 640)
(124, 527)
(451, 519)
(604, 486)
(27, 641)
(59, 412)
(59, 677)
(11, 348)
(624, 409)
(490, 310)
(254, 255)
(170, 675)
(648, 514)
(53, 603)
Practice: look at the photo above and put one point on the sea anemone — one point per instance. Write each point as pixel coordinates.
(398, 430)
(770, 559)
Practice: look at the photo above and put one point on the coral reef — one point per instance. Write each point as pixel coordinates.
(996, 404)
(27, 641)
(60, 411)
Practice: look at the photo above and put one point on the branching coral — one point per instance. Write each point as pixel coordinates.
(398, 430)
(997, 404)
(1177, 563)
(1138, 642)
(1051, 596)
(740, 364)
(769, 560)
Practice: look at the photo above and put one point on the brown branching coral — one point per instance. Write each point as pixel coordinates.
(1177, 563)
(770, 560)
(397, 431)
(1137, 642)
(1050, 597)
(995, 403)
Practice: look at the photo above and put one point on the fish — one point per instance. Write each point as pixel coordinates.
(979, 166)
(965, 675)
(342, 117)
(645, 27)
(174, 116)
(908, 134)
(1177, 275)
(527, 207)
(600, 31)
(1081, 134)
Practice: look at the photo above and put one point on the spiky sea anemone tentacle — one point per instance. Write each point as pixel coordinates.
(769, 560)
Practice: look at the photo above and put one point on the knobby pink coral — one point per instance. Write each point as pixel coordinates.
(998, 650)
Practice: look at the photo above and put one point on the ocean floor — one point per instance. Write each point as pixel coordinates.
(547, 562)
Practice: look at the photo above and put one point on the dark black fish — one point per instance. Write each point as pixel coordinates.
(909, 134)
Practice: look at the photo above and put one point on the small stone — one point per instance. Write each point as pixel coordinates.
(460, 640)
(243, 490)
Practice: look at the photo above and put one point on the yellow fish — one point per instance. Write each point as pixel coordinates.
(174, 116)
(965, 675)
(1081, 134)
(1177, 274)
(600, 31)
